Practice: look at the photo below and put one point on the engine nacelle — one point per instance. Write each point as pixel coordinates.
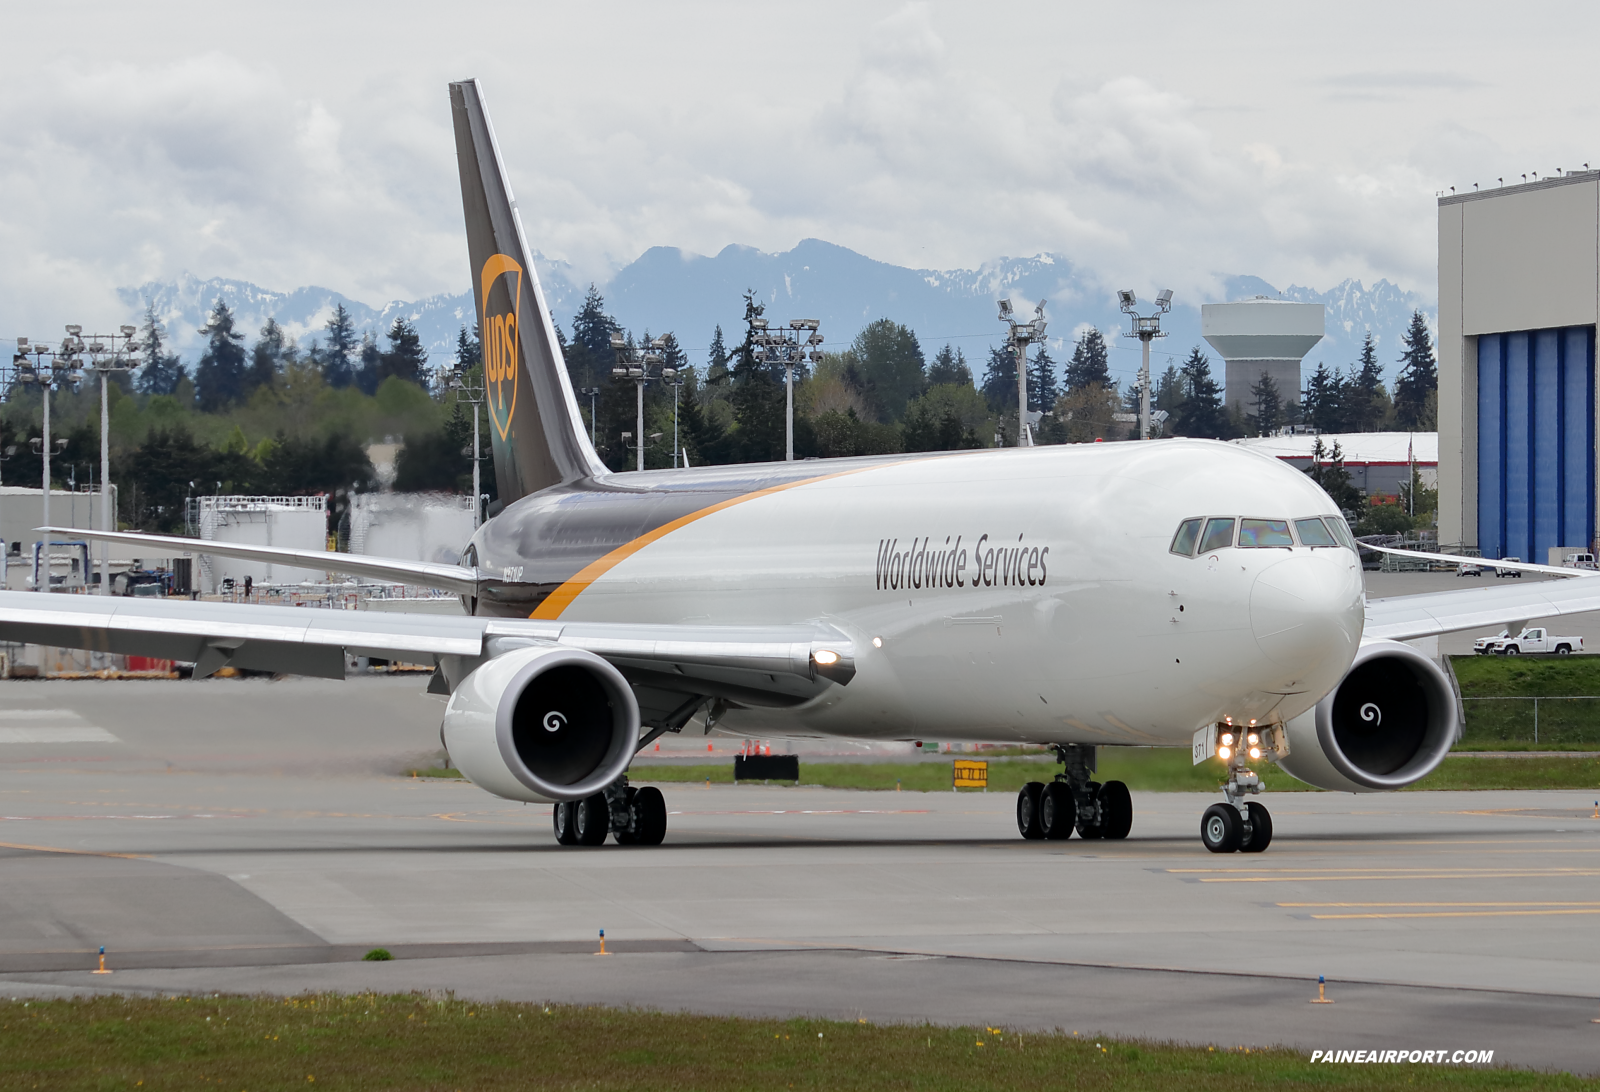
(542, 724)
(1389, 722)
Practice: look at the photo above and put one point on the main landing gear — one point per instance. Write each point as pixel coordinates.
(1230, 828)
(638, 817)
(1073, 801)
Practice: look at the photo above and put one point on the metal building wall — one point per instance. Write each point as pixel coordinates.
(1536, 441)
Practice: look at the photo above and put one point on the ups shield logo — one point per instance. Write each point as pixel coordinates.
(502, 347)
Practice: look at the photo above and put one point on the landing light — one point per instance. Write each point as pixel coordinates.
(825, 658)
(1227, 739)
(1252, 739)
(1224, 753)
(1255, 752)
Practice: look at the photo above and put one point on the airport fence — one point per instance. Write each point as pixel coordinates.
(1566, 722)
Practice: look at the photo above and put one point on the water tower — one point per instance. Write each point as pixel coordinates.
(1261, 335)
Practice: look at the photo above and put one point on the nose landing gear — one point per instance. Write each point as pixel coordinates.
(1230, 827)
(1074, 801)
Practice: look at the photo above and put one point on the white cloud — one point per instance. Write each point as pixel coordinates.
(312, 144)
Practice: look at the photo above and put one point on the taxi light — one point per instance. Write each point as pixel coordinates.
(1252, 739)
(825, 657)
(1227, 739)
(1255, 752)
(1224, 753)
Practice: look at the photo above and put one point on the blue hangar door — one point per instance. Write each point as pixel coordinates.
(1536, 455)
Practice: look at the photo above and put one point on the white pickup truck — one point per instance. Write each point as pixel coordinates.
(1533, 641)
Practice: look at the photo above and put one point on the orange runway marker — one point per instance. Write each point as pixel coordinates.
(102, 969)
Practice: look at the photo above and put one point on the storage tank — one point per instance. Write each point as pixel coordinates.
(1262, 335)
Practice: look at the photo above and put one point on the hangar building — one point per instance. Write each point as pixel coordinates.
(1519, 299)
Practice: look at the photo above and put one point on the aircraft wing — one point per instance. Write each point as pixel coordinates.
(452, 578)
(752, 665)
(1405, 617)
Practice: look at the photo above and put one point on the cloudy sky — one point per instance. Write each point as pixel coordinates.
(293, 144)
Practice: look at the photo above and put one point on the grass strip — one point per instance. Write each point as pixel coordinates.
(371, 1041)
(1145, 769)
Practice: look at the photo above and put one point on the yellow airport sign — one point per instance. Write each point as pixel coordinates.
(971, 775)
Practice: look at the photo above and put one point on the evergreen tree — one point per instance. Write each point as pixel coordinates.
(220, 378)
(1168, 396)
(717, 360)
(1323, 403)
(890, 363)
(406, 358)
(365, 375)
(336, 367)
(1042, 388)
(1000, 380)
(1090, 363)
(1366, 400)
(949, 366)
(1327, 470)
(1267, 403)
(1418, 378)
(758, 402)
(469, 349)
(274, 350)
(161, 371)
(1202, 398)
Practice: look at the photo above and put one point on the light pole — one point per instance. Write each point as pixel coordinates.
(676, 383)
(474, 395)
(1019, 335)
(106, 358)
(639, 371)
(594, 422)
(61, 368)
(785, 349)
(1146, 328)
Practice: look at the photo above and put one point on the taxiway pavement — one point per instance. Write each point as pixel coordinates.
(244, 835)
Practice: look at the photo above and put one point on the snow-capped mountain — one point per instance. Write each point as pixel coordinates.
(690, 294)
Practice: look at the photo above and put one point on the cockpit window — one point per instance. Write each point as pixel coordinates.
(1341, 531)
(1183, 541)
(1313, 533)
(1219, 535)
(1265, 532)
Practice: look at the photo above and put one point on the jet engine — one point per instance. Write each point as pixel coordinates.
(1389, 722)
(542, 724)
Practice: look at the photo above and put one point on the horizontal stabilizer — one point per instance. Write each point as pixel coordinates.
(451, 578)
(1483, 562)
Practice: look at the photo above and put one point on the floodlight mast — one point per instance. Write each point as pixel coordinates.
(635, 365)
(1018, 337)
(1145, 328)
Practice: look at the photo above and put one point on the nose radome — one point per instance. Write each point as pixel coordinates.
(1307, 609)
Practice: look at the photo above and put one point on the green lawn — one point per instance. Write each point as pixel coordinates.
(378, 1042)
(1566, 719)
(1150, 769)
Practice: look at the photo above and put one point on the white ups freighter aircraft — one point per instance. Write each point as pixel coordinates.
(1180, 593)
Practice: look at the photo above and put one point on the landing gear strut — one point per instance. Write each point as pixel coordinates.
(638, 817)
(1074, 801)
(1230, 827)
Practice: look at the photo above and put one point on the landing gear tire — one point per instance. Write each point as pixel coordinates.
(649, 816)
(628, 836)
(565, 823)
(1257, 828)
(1028, 811)
(591, 820)
(1116, 810)
(1221, 828)
(1058, 813)
(1091, 822)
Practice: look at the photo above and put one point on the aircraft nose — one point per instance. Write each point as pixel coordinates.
(1307, 609)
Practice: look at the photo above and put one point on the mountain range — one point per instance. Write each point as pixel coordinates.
(690, 294)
